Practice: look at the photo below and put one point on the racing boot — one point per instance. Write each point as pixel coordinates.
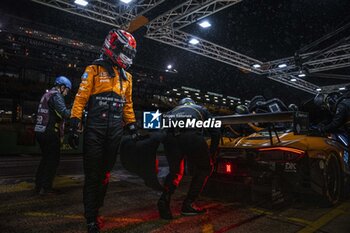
(93, 227)
(190, 209)
(164, 206)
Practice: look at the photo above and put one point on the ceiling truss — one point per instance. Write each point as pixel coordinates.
(103, 11)
(188, 12)
(205, 48)
(166, 29)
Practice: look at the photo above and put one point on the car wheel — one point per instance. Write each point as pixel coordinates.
(333, 180)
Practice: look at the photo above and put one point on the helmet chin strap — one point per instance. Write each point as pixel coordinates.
(122, 73)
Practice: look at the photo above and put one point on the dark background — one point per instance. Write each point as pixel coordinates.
(262, 29)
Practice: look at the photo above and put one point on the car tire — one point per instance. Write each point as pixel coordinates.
(333, 181)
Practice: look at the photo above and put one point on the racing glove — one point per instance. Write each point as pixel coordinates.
(133, 131)
(73, 137)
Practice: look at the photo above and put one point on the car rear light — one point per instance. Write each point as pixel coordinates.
(281, 154)
(228, 169)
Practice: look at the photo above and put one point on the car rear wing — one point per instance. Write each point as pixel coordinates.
(299, 120)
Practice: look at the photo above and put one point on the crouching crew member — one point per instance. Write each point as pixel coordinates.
(106, 88)
(49, 130)
(189, 143)
(339, 106)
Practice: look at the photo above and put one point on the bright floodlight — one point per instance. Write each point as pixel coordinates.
(126, 1)
(205, 24)
(81, 2)
(194, 41)
(342, 88)
(293, 80)
(282, 65)
(301, 75)
(318, 89)
(169, 67)
(256, 66)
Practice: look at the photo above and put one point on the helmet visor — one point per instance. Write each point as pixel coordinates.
(129, 51)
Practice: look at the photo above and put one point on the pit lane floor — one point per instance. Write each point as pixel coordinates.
(131, 207)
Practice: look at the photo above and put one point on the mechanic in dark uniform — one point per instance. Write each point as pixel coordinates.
(189, 143)
(49, 130)
(106, 88)
(255, 102)
(259, 104)
(339, 106)
(250, 127)
(293, 108)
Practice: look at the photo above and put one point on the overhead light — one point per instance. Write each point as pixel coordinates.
(198, 97)
(194, 41)
(342, 88)
(301, 75)
(166, 70)
(282, 65)
(186, 92)
(256, 66)
(318, 89)
(178, 94)
(206, 95)
(169, 67)
(293, 80)
(81, 2)
(126, 1)
(174, 89)
(207, 99)
(205, 24)
(196, 93)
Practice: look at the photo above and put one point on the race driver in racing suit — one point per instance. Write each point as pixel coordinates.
(106, 89)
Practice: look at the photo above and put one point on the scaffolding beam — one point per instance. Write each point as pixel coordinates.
(116, 15)
(166, 28)
(187, 13)
(205, 48)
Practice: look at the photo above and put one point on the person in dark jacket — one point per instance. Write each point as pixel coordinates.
(339, 106)
(190, 143)
(49, 129)
(259, 104)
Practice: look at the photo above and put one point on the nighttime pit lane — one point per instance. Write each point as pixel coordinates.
(131, 207)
